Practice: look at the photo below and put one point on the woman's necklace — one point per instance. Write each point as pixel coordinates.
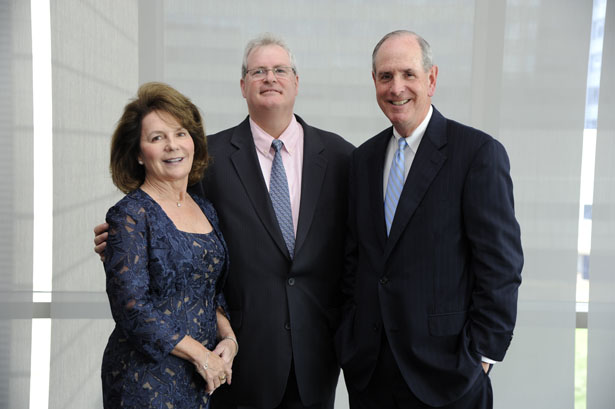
(156, 193)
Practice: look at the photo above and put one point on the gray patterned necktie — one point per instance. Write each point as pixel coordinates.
(395, 184)
(280, 198)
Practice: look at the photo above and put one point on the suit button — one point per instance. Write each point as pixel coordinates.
(287, 325)
(384, 280)
(376, 327)
(291, 281)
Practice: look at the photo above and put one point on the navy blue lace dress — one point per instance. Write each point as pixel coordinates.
(163, 284)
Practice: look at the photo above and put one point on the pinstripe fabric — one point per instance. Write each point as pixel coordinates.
(395, 184)
(280, 197)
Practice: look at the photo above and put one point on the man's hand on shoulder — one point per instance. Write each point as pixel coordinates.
(101, 233)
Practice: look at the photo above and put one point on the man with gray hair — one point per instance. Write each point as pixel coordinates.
(279, 186)
(433, 252)
(285, 240)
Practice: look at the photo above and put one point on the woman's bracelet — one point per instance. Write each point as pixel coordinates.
(206, 365)
(235, 341)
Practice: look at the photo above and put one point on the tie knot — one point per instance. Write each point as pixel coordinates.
(277, 144)
(402, 144)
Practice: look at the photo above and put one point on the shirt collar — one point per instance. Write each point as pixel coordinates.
(262, 140)
(415, 137)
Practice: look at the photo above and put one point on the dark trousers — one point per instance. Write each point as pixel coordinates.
(290, 400)
(387, 389)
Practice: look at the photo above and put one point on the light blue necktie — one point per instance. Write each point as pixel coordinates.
(395, 184)
(280, 198)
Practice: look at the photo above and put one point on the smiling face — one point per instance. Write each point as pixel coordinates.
(167, 149)
(403, 88)
(270, 93)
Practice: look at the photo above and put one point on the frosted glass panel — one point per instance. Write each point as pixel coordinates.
(332, 42)
(15, 202)
(545, 55)
(601, 318)
(95, 55)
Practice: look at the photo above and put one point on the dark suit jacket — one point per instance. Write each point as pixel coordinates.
(443, 285)
(281, 309)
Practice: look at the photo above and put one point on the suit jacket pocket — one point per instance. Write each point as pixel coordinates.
(447, 324)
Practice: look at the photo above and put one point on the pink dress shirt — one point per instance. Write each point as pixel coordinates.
(292, 158)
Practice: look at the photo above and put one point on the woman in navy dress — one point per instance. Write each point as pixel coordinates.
(165, 261)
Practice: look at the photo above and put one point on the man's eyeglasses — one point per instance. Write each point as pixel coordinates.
(279, 72)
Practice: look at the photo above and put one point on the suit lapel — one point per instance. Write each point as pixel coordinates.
(426, 165)
(312, 176)
(248, 170)
(375, 172)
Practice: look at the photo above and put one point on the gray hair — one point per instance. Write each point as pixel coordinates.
(425, 48)
(261, 41)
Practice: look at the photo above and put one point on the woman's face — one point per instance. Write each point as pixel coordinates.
(167, 149)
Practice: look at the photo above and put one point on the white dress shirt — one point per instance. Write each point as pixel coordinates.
(413, 142)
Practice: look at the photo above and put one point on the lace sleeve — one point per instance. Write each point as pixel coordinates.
(126, 265)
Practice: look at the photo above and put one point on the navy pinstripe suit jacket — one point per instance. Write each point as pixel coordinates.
(443, 285)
